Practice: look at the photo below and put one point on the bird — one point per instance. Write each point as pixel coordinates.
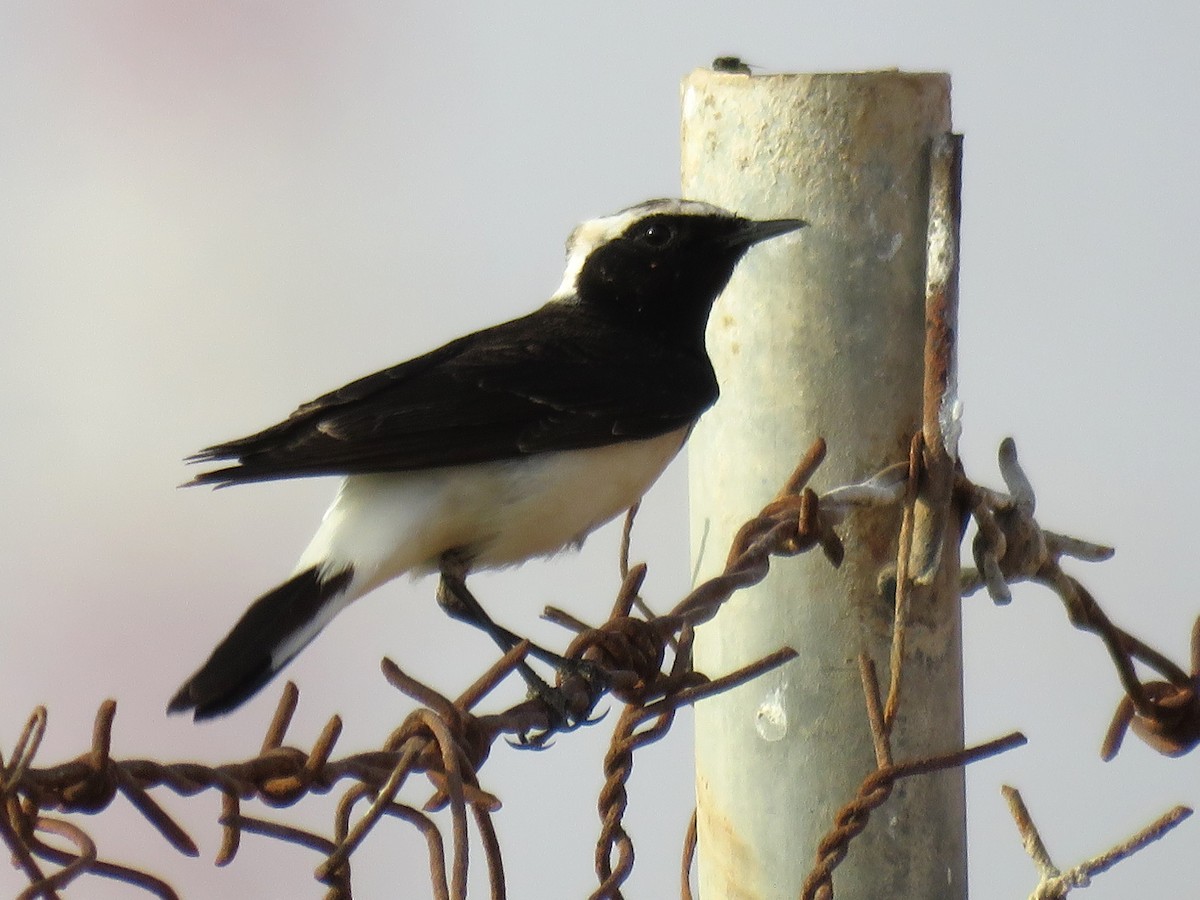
(509, 443)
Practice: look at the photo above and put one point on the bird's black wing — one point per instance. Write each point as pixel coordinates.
(560, 378)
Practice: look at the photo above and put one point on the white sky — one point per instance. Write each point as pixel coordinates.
(212, 212)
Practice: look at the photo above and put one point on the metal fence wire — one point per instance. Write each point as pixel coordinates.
(645, 663)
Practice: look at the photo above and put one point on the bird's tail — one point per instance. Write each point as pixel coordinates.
(274, 629)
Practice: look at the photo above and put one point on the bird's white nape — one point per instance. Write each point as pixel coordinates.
(589, 235)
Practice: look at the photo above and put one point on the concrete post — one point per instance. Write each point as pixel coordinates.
(820, 335)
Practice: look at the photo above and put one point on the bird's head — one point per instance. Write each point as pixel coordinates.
(659, 266)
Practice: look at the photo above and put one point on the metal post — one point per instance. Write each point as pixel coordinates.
(820, 335)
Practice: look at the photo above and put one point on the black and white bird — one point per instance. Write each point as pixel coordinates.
(506, 444)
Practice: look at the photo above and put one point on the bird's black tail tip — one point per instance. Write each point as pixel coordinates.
(204, 700)
(248, 656)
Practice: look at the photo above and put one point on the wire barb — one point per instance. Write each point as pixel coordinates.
(1054, 884)
(1010, 546)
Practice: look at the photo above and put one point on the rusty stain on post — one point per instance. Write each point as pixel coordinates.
(941, 414)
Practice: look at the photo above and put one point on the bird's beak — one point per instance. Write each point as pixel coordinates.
(754, 231)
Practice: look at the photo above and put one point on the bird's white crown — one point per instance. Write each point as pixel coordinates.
(589, 235)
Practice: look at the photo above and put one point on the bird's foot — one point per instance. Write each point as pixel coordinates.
(567, 705)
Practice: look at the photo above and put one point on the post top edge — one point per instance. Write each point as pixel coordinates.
(704, 72)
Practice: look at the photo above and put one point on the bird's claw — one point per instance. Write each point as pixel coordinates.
(562, 704)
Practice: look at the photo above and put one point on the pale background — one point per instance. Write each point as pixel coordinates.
(214, 211)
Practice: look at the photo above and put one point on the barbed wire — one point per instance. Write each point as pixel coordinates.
(1054, 884)
(445, 740)
(876, 788)
(1010, 546)
(646, 664)
(1037, 560)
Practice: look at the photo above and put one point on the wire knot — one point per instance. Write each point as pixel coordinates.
(630, 650)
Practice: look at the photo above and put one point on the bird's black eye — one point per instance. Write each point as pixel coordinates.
(655, 234)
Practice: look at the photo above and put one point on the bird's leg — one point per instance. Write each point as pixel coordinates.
(456, 599)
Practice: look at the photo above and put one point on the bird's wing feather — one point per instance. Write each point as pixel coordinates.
(528, 386)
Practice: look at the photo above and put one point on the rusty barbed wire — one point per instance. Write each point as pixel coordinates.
(899, 482)
(795, 521)
(876, 788)
(445, 741)
(646, 665)
(278, 777)
(1172, 726)
(791, 523)
(1010, 546)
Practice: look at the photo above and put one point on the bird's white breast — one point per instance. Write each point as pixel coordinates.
(500, 512)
